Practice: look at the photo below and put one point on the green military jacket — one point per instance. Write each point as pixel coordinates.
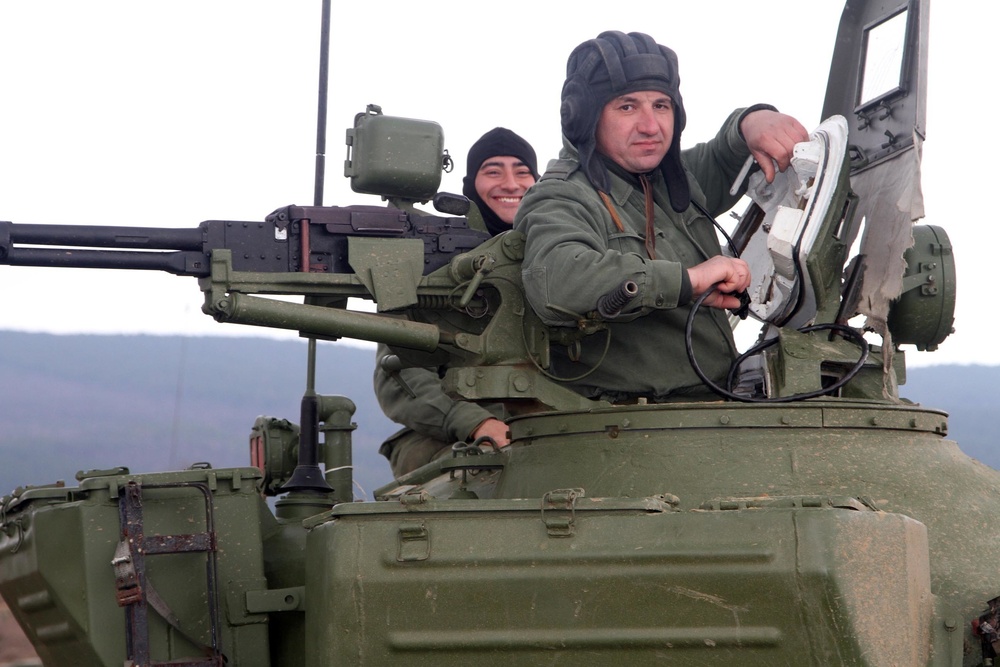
(575, 253)
(429, 411)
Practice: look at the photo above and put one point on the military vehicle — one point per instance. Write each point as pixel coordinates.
(808, 516)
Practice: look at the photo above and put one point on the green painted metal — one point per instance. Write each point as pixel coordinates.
(56, 572)
(578, 580)
(896, 457)
(922, 315)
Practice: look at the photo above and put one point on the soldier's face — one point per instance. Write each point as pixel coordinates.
(636, 130)
(501, 182)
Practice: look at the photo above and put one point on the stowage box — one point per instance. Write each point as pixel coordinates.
(617, 581)
(158, 563)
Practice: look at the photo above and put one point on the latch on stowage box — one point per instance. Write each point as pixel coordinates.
(414, 542)
(559, 511)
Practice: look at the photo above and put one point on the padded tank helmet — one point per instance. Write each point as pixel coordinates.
(604, 68)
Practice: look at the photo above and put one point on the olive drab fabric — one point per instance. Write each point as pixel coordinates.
(434, 421)
(575, 253)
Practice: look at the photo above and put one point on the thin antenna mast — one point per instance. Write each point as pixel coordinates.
(307, 476)
(324, 72)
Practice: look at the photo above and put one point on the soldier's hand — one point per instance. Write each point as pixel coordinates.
(771, 137)
(729, 276)
(495, 429)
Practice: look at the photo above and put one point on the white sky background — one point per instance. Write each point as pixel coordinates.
(166, 114)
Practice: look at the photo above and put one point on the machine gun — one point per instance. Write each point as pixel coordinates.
(458, 288)
(310, 239)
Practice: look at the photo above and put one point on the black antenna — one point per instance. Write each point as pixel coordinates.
(307, 476)
(324, 72)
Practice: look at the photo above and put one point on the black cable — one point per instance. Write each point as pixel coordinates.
(847, 331)
(729, 239)
(744, 296)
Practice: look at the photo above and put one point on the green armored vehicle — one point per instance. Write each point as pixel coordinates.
(808, 515)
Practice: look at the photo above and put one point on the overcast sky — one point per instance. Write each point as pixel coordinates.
(167, 114)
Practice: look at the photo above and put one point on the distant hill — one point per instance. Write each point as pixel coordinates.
(968, 393)
(150, 403)
(69, 403)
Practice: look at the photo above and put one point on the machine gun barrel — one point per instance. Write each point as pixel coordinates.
(177, 251)
(106, 237)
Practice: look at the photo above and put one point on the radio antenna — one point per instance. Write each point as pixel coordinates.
(324, 72)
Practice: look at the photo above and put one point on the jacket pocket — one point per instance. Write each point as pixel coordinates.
(536, 288)
(627, 243)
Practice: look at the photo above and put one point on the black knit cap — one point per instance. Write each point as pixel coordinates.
(498, 141)
(604, 68)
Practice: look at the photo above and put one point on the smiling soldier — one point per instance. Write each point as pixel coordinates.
(501, 167)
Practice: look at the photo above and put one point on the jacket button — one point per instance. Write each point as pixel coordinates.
(660, 300)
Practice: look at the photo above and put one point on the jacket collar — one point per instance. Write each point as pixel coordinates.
(623, 182)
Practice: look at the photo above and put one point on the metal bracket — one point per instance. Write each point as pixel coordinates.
(136, 594)
(275, 600)
(559, 511)
(414, 542)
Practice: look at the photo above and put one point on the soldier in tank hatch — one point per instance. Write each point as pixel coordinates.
(501, 167)
(625, 203)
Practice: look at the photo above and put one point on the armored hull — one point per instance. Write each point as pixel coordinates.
(896, 458)
(811, 533)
